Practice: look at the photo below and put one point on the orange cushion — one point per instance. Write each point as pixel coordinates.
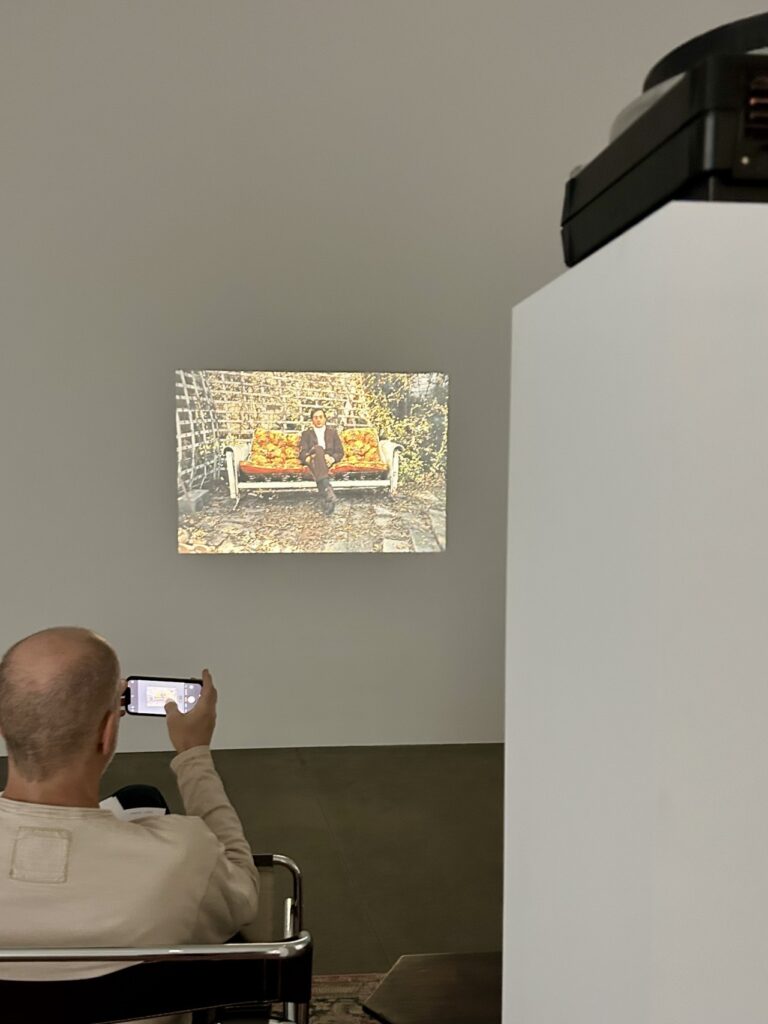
(277, 451)
(251, 470)
(361, 448)
(274, 451)
(354, 467)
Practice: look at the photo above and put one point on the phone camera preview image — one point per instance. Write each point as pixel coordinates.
(148, 695)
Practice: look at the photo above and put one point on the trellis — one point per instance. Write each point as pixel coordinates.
(219, 407)
(198, 432)
(283, 401)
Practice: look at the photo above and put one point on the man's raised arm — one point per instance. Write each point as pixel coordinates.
(234, 884)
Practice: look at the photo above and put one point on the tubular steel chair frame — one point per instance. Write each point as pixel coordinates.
(201, 980)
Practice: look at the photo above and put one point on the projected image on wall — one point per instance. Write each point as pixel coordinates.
(311, 462)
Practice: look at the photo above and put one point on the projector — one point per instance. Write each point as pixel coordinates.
(699, 131)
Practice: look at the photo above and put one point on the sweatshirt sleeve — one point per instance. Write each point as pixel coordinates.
(233, 888)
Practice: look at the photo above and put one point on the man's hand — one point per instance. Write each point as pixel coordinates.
(195, 728)
(329, 460)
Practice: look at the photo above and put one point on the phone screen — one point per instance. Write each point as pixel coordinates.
(148, 696)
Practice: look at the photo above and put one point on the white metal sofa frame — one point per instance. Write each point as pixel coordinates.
(201, 980)
(234, 454)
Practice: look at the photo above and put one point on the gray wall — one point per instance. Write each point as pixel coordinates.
(282, 185)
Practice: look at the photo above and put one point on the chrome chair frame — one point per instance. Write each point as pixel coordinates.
(243, 974)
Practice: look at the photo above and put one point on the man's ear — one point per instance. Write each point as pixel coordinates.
(108, 731)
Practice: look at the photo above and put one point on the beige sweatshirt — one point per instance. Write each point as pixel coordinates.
(73, 876)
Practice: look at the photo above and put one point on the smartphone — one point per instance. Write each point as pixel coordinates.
(148, 695)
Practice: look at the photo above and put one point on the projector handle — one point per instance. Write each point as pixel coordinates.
(737, 37)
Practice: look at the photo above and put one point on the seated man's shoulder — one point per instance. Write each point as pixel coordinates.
(175, 829)
(178, 837)
(180, 825)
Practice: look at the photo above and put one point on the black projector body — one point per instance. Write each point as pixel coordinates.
(704, 138)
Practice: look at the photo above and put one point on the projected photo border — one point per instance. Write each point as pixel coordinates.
(279, 462)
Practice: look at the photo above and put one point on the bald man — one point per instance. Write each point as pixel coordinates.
(72, 873)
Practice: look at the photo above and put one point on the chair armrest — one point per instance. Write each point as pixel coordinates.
(280, 949)
(234, 454)
(388, 450)
(240, 449)
(293, 918)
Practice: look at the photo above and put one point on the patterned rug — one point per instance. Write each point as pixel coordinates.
(339, 998)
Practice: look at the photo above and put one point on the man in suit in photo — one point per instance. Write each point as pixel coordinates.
(320, 448)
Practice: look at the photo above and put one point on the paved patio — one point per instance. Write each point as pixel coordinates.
(363, 521)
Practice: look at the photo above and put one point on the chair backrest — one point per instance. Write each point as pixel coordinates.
(176, 980)
(181, 979)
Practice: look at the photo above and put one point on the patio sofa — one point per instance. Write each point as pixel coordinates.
(271, 463)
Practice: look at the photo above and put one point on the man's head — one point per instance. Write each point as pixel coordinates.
(59, 702)
(318, 417)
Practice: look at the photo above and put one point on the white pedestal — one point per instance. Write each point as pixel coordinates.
(636, 883)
